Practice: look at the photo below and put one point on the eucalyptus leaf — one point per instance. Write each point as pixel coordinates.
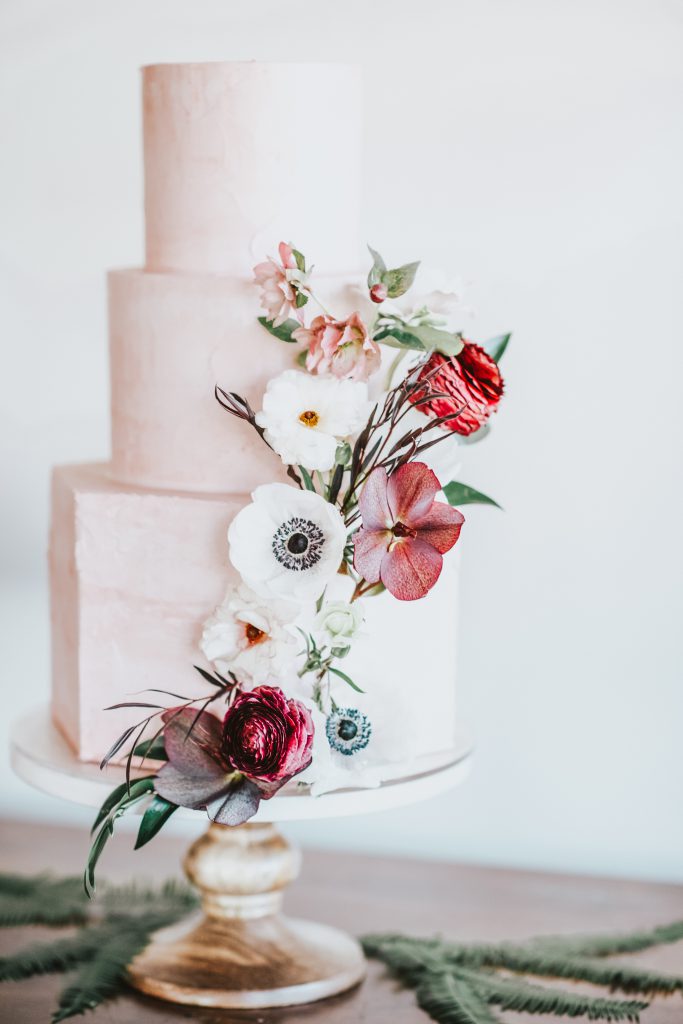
(154, 818)
(461, 494)
(496, 346)
(399, 337)
(283, 332)
(398, 281)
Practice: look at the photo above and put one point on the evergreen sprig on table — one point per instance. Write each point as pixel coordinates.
(458, 983)
(454, 982)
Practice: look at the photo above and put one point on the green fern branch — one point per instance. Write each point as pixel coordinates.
(524, 997)
(449, 1000)
(53, 957)
(41, 900)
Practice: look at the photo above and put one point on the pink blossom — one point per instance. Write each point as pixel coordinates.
(405, 531)
(278, 293)
(340, 347)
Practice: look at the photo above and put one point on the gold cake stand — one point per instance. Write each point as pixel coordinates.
(238, 951)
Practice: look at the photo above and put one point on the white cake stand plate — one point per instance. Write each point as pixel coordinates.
(240, 952)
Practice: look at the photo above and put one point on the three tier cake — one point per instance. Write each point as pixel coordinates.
(145, 584)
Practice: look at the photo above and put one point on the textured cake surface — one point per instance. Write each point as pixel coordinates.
(138, 547)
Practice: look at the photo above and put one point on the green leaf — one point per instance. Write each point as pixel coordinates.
(154, 818)
(283, 332)
(299, 259)
(496, 346)
(310, 486)
(399, 337)
(420, 336)
(153, 748)
(378, 268)
(347, 679)
(461, 494)
(115, 797)
(342, 455)
(300, 300)
(399, 280)
(340, 652)
(301, 358)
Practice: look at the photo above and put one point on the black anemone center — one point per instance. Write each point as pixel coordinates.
(347, 729)
(297, 543)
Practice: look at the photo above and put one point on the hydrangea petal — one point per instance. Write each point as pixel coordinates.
(441, 526)
(411, 569)
(410, 492)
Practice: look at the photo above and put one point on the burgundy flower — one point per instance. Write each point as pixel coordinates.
(229, 767)
(470, 382)
(267, 737)
(405, 531)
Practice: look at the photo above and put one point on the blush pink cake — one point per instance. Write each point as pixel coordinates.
(138, 550)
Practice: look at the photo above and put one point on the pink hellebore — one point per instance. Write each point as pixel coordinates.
(278, 294)
(405, 531)
(340, 347)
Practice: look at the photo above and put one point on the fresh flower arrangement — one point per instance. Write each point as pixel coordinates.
(362, 423)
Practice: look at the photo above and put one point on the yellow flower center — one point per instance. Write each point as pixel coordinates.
(309, 418)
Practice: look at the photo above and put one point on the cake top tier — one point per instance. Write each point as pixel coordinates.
(241, 155)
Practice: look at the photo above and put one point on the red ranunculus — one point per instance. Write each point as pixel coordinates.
(405, 531)
(267, 737)
(470, 382)
(229, 767)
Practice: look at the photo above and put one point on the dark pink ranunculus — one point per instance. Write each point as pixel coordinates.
(405, 532)
(267, 737)
(228, 767)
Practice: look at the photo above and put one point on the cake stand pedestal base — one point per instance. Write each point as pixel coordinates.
(241, 953)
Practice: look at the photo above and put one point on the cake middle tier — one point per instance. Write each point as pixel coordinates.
(173, 337)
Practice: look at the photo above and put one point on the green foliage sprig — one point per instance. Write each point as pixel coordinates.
(458, 983)
(115, 930)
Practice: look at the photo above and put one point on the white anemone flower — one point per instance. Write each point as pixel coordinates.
(249, 637)
(305, 417)
(287, 543)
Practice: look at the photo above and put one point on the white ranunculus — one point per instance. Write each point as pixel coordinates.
(305, 417)
(340, 620)
(249, 637)
(287, 543)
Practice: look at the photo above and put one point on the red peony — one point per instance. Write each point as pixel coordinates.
(267, 737)
(470, 382)
(405, 531)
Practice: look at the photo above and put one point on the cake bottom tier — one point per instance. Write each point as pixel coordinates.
(133, 575)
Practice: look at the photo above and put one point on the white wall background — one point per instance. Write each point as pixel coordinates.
(535, 147)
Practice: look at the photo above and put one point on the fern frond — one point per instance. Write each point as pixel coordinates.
(549, 964)
(524, 997)
(41, 900)
(53, 957)
(451, 1000)
(612, 945)
(103, 976)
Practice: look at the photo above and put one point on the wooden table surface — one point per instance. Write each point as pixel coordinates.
(360, 894)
